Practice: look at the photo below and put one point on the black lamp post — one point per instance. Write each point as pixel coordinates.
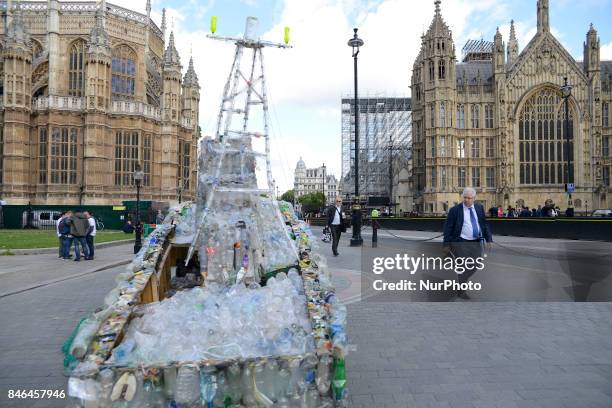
(356, 239)
(138, 176)
(566, 91)
(324, 197)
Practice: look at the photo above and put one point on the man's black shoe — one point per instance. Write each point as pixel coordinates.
(463, 295)
(76, 259)
(336, 254)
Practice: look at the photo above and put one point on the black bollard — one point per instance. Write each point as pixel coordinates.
(374, 234)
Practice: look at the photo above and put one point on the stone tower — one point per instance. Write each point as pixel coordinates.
(17, 146)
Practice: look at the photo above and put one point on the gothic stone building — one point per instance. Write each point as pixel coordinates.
(90, 90)
(495, 121)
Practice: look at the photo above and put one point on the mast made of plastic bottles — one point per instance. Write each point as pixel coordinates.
(252, 85)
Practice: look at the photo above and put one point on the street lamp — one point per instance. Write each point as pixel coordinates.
(566, 92)
(356, 239)
(324, 198)
(138, 176)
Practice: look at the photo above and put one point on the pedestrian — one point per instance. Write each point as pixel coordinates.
(59, 234)
(91, 235)
(128, 228)
(539, 211)
(79, 224)
(465, 228)
(63, 228)
(493, 211)
(500, 211)
(335, 221)
(159, 218)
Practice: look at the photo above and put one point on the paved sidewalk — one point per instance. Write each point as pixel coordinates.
(23, 272)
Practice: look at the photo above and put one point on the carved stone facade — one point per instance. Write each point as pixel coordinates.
(496, 121)
(89, 90)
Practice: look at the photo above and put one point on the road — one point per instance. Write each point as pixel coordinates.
(404, 354)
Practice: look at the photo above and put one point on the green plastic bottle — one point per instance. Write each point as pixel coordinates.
(339, 381)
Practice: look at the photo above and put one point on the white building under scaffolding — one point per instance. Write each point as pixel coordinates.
(385, 137)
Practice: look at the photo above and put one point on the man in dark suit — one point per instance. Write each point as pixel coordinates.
(465, 228)
(335, 221)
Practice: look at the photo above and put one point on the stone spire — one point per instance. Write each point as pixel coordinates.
(438, 27)
(163, 24)
(191, 78)
(498, 51)
(16, 33)
(149, 8)
(513, 46)
(98, 37)
(543, 16)
(171, 55)
(591, 51)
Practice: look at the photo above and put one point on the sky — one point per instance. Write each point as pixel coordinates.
(307, 82)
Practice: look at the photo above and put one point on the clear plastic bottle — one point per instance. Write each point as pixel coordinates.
(222, 397)
(311, 398)
(169, 382)
(106, 378)
(208, 385)
(323, 368)
(271, 376)
(248, 396)
(187, 389)
(283, 383)
(234, 379)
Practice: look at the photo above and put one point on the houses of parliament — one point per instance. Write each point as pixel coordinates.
(495, 120)
(90, 91)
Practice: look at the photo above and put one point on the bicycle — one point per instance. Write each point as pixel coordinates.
(99, 225)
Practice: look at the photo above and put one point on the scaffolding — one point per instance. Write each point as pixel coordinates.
(385, 136)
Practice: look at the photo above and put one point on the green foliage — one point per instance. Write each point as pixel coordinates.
(312, 202)
(288, 196)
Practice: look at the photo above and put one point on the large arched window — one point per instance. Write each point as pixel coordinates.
(124, 72)
(542, 144)
(76, 69)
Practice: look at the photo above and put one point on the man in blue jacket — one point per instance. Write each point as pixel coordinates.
(464, 230)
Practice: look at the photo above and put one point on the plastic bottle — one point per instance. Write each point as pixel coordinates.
(283, 383)
(234, 379)
(271, 376)
(311, 398)
(323, 380)
(106, 378)
(169, 382)
(248, 396)
(187, 390)
(339, 381)
(222, 397)
(208, 386)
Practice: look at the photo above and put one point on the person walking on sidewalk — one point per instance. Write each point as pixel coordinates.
(91, 234)
(78, 229)
(465, 227)
(335, 221)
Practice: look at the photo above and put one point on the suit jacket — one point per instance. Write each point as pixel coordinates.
(331, 213)
(454, 224)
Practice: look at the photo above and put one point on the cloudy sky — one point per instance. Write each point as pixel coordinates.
(307, 82)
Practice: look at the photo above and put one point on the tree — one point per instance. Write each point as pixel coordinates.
(288, 196)
(312, 202)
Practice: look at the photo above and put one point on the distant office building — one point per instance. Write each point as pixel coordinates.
(385, 136)
(308, 181)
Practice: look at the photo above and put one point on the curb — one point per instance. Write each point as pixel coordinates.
(65, 278)
(38, 251)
